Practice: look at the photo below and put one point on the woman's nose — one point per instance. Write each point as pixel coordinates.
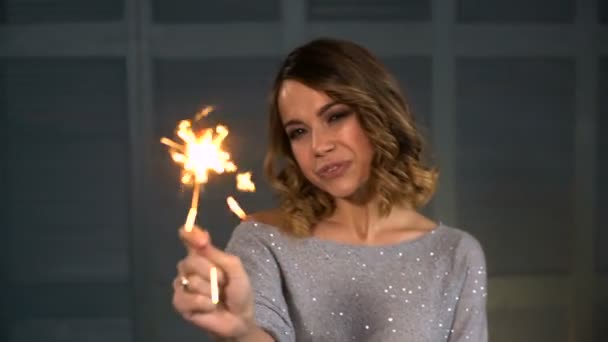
(322, 143)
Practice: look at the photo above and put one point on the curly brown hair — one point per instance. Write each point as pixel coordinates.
(351, 75)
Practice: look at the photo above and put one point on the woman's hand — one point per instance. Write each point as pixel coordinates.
(233, 317)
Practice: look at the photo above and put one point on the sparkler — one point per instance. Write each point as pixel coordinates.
(235, 208)
(200, 153)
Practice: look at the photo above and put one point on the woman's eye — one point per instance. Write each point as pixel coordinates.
(338, 116)
(294, 134)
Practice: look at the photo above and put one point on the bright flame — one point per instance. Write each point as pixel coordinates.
(235, 208)
(201, 153)
(244, 183)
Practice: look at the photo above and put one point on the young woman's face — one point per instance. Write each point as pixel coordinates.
(327, 140)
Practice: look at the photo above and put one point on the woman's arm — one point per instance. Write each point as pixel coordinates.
(253, 244)
(470, 317)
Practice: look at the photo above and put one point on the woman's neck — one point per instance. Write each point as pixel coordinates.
(362, 222)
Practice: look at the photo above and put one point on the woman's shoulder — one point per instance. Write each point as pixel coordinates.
(460, 237)
(462, 243)
(259, 231)
(261, 225)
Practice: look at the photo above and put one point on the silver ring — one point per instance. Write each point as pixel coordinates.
(184, 282)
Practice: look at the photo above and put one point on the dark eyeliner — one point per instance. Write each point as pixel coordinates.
(295, 133)
(339, 115)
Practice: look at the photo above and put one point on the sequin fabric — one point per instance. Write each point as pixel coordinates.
(306, 289)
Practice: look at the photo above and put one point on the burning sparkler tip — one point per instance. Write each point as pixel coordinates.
(236, 208)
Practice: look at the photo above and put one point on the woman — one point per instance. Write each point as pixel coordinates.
(346, 257)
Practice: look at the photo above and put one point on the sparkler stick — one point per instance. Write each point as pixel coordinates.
(172, 144)
(215, 291)
(200, 154)
(193, 208)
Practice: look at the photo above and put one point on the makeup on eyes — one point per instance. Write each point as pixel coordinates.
(295, 133)
(330, 112)
(338, 114)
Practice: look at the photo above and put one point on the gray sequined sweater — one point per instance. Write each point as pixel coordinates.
(432, 288)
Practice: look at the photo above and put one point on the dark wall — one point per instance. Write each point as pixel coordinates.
(508, 93)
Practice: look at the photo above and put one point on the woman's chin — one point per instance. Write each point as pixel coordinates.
(345, 192)
(345, 188)
(339, 192)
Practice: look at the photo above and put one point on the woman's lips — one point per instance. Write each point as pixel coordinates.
(333, 170)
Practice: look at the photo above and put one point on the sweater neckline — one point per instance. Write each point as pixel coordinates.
(398, 244)
(344, 245)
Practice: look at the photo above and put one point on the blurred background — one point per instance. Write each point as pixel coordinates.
(508, 92)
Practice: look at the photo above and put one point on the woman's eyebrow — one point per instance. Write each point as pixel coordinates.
(326, 107)
(292, 122)
(320, 112)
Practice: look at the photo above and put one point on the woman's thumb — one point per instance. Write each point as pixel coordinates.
(196, 238)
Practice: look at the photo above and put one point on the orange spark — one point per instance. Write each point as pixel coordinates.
(244, 183)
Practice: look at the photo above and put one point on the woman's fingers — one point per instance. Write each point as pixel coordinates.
(194, 301)
(195, 264)
(195, 239)
(188, 304)
(194, 285)
(227, 263)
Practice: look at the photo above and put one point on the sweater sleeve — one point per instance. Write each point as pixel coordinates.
(470, 319)
(253, 246)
